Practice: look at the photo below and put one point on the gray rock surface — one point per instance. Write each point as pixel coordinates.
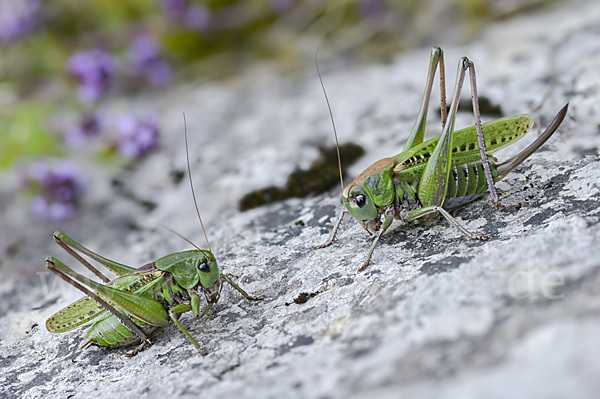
(434, 316)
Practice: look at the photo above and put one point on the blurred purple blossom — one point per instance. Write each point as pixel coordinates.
(89, 126)
(282, 6)
(137, 137)
(17, 18)
(147, 60)
(373, 8)
(194, 16)
(94, 70)
(57, 189)
(197, 17)
(175, 9)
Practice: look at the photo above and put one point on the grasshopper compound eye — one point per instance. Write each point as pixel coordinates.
(360, 200)
(204, 267)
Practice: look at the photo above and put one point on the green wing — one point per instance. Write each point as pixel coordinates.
(86, 309)
(497, 134)
(76, 314)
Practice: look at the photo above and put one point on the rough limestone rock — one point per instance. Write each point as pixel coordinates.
(434, 316)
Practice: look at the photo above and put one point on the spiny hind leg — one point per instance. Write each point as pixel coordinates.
(423, 213)
(61, 270)
(68, 244)
(141, 347)
(460, 227)
(436, 60)
(486, 166)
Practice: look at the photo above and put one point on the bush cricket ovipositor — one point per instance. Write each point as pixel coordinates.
(441, 174)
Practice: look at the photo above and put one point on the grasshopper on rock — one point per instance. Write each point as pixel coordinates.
(441, 174)
(130, 308)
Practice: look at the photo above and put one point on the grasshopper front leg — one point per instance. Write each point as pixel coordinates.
(334, 231)
(173, 314)
(228, 279)
(386, 223)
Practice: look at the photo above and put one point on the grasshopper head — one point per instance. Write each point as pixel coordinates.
(369, 193)
(193, 268)
(210, 278)
(360, 205)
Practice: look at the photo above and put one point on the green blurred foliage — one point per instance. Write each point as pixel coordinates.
(34, 83)
(25, 136)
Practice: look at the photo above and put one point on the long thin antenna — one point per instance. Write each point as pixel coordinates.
(187, 154)
(184, 238)
(337, 144)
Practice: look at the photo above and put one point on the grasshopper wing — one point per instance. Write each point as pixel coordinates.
(145, 309)
(465, 148)
(497, 134)
(76, 314)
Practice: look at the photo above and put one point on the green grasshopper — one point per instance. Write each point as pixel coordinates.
(130, 308)
(441, 174)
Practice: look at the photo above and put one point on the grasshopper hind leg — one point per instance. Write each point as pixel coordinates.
(515, 160)
(145, 344)
(460, 227)
(431, 211)
(141, 347)
(57, 267)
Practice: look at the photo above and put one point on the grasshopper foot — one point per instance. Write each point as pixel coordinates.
(499, 205)
(483, 237)
(202, 351)
(364, 266)
(145, 344)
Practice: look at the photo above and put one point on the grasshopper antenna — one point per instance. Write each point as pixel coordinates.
(337, 144)
(187, 154)
(184, 238)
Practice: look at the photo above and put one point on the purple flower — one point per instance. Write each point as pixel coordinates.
(89, 126)
(17, 18)
(93, 69)
(57, 189)
(147, 60)
(196, 17)
(176, 9)
(136, 137)
(373, 8)
(282, 6)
